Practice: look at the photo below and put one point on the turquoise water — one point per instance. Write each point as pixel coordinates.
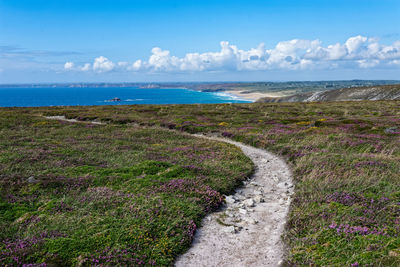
(36, 97)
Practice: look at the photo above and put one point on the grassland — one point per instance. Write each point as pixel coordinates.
(105, 195)
(130, 192)
(345, 158)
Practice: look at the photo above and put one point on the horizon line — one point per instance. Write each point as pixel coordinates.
(186, 82)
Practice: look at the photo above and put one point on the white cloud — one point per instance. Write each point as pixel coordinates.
(297, 54)
(68, 65)
(137, 65)
(365, 63)
(85, 67)
(122, 64)
(353, 44)
(103, 64)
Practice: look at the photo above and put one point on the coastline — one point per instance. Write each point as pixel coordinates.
(253, 96)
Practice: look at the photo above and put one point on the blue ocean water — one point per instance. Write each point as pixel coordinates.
(36, 97)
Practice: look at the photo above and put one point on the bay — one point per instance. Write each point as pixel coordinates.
(88, 96)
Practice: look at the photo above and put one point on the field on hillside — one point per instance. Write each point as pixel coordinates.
(104, 195)
(345, 158)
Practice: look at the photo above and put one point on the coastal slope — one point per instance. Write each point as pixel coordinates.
(383, 92)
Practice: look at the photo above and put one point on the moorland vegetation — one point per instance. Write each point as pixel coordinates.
(345, 158)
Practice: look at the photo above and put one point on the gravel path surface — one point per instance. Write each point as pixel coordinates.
(247, 231)
(63, 118)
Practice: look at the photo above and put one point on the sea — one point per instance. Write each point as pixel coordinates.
(88, 96)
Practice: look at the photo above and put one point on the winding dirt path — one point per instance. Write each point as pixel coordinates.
(247, 230)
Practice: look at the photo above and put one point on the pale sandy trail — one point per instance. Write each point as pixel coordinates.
(257, 214)
(63, 118)
(248, 230)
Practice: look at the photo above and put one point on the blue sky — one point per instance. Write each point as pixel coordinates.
(121, 40)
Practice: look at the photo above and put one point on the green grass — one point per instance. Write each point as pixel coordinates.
(80, 194)
(345, 162)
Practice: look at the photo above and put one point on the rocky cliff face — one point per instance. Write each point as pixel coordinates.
(384, 92)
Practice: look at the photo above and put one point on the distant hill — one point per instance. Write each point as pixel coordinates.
(380, 92)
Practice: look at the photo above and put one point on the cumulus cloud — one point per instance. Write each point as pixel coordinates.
(297, 54)
(68, 65)
(103, 64)
(85, 67)
(353, 44)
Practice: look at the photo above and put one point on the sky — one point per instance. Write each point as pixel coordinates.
(153, 41)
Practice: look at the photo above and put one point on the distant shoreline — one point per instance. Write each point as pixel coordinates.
(253, 96)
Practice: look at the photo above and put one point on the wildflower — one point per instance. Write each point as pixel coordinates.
(227, 134)
(311, 128)
(302, 123)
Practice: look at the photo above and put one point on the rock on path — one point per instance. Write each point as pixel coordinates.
(247, 231)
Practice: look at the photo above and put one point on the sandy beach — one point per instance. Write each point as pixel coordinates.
(254, 96)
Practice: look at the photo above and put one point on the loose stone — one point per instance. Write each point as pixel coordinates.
(229, 229)
(249, 202)
(257, 192)
(242, 211)
(31, 180)
(229, 200)
(259, 199)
